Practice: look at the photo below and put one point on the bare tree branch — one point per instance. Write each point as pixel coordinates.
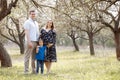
(40, 5)
(6, 10)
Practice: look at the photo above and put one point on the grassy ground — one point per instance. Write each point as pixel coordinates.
(70, 66)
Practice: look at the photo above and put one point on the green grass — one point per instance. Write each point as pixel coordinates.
(70, 66)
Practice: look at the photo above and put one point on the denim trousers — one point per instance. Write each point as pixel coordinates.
(40, 64)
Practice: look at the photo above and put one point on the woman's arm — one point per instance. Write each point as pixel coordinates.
(54, 36)
(53, 39)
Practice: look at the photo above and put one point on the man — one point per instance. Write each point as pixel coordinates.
(31, 38)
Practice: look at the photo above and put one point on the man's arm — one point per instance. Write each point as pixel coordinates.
(28, 38)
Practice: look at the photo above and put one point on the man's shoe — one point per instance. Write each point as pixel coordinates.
(26, 72)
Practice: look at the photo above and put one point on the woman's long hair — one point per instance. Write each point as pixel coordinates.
(52, 27)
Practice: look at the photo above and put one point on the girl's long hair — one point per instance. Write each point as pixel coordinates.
(52, 27)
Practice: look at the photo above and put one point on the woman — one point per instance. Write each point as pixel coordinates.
(48, 35)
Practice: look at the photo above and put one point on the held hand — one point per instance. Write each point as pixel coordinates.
(30, 45)
(49, 45)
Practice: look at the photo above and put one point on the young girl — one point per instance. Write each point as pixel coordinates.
(40, 56)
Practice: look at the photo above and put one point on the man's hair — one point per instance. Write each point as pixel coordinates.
(31, 11)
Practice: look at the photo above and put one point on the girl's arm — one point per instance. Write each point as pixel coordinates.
(37, 48)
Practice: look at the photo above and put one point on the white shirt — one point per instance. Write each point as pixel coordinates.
(32, 27)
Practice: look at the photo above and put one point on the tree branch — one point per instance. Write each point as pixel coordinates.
(6, 10)
(39, 5)
(6, 37)
(106, 12)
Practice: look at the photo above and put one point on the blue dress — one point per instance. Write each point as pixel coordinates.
(49, 37)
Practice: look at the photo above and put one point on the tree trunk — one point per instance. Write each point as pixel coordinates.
(75, 45)
(92, 53)
(5, 9)
(4, 57)
(22, 49)
(117, 42)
